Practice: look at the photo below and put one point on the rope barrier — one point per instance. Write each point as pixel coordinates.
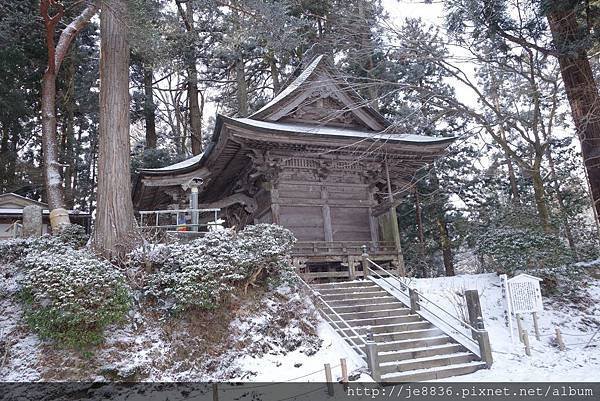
(305, 393)
(283, 381)
(575, 335)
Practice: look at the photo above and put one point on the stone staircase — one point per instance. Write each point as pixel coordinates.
(409, 348)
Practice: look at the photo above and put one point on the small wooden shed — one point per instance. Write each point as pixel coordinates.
(317, 159)
(11, 212)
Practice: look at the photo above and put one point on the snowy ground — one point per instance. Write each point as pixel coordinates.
(258, 346)
(295, 367)
(578, 323)
(275, 337)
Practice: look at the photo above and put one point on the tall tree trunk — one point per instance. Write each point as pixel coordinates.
(68, 134)
(502, 134)
(580, 86)
(6, 173)
(540, 199)
(115, 224)
(242, 87)
(149, 112)
(561, 204)
(274, 74)
(442, 225)
(75, 168)
(421, 263)
(187, 16)
(195, 111)
(52, 168)
(512, 179)
(367, 53)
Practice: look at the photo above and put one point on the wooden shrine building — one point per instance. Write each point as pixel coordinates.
(318, 160)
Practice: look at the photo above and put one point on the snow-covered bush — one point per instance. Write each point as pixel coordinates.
(71, 295)
(509, 249)
(565, 280)
(202, 272)
(71, 236)
(13, 249)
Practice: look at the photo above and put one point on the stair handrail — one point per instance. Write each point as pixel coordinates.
(320, 298)
(461, 322)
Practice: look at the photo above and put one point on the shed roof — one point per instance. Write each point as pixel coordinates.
(10, 200)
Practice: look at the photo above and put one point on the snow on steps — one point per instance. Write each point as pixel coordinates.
(410, 348)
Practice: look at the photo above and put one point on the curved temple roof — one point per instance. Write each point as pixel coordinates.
(301, 130)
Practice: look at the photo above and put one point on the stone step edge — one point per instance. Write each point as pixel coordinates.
(354, 293)
(427, 359)
(381, 317)
(399, 375)
(400, 342)
(360, 299)
(348, 289)
(419, 349)
(374, 326)
(342, 283)
(403, 332)
(361, 305)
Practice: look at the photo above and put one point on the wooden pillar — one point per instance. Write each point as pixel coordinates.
(525, 337)
(329, 379)
(275, 206)
(474, 309)
(520, 327)
(373, 357)
(327, 228)
(536, 326)
(413, 294)
(373, 227)
(351, 268)
(394, 222)
(365, 262)
(559, 339)
(344, 367)
(485, 348)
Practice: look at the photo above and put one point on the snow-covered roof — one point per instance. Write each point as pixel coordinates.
(44, 211)
(302, 129)
(524, 276)
(310, 129)
(180, 165)
(293, 86)
(11, 199)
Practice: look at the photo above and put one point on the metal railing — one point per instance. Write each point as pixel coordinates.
(341, 320)
(481, 340)
(179, 222)
(370, 352)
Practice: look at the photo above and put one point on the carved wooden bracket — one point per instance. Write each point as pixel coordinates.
(264, 167)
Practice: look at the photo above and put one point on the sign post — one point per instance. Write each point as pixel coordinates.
(523, 295)
(508, 316)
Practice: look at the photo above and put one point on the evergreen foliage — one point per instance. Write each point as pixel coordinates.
(205, 271)
(69, 294)
(509, 249)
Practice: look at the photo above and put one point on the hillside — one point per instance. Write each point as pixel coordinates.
(277, 335)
